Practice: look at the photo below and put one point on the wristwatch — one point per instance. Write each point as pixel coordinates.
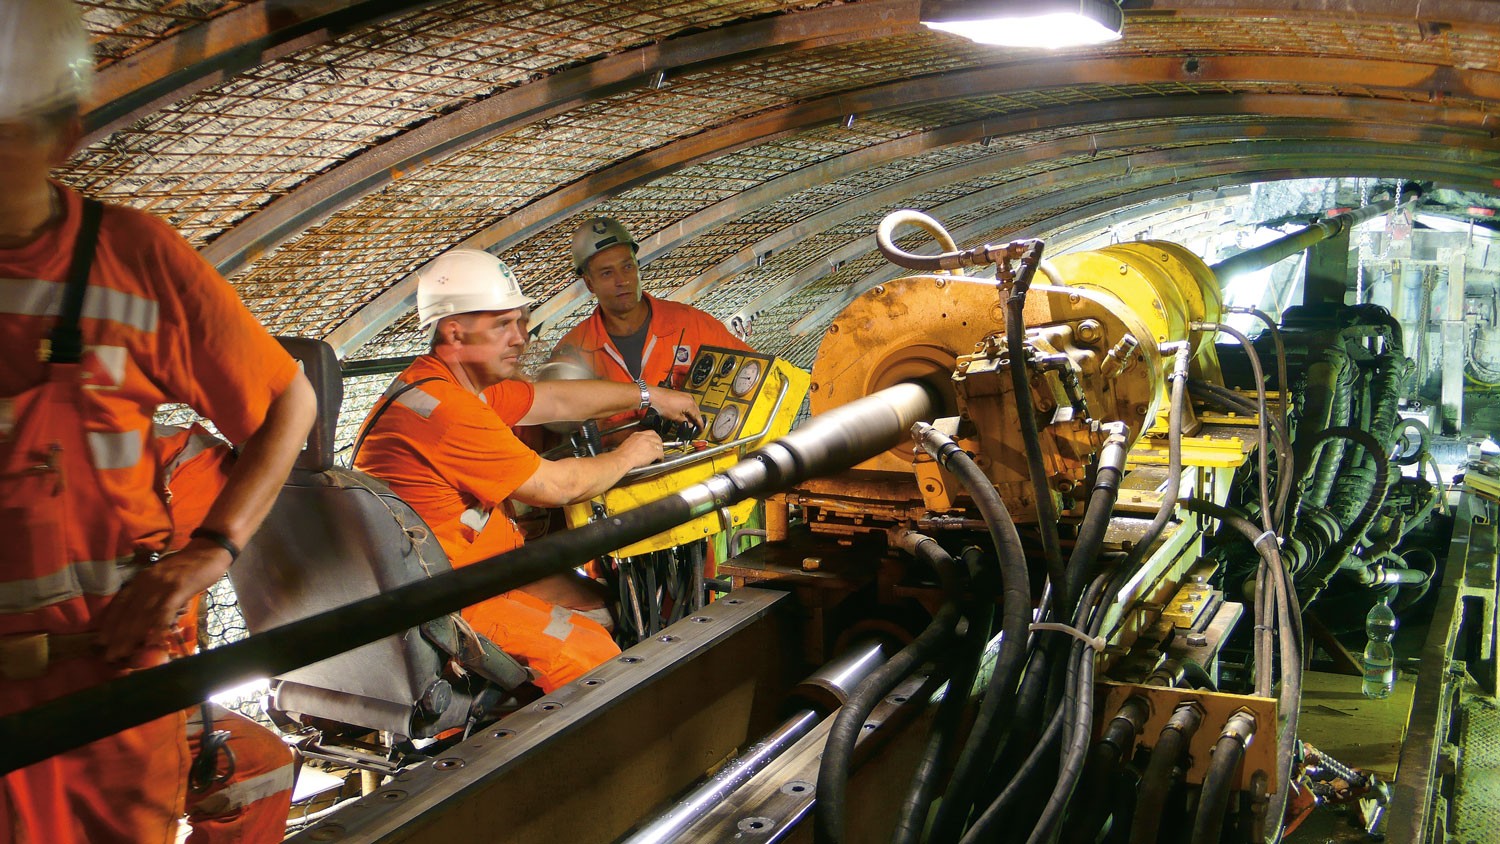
(645, 393)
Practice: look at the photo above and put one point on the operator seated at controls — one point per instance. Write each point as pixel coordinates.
(632, 336)
(442, 439)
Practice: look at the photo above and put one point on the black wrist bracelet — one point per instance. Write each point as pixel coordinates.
(219, 539)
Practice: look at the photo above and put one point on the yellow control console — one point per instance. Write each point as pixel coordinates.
(748, 399)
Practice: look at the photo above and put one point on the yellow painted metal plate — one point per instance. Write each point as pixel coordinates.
(743, 395)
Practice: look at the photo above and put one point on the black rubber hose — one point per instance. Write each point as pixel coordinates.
(1267, 516)
(1324, 471)
(1282, 382)
(984, 828)
(1113, 747)
(1285, 461)
(1290, 638)
(1015, 621)
(830, 809)
(1075, 751)
(1108, 471)
(1321, 571)
(1213, 800)
(1031, 437)
(1171, 745)
(1174, 464)
(946, 726)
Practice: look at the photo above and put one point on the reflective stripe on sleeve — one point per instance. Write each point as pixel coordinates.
(35, 297)
(419, 402)
(116, 450)
(65, 584)
(561, 624)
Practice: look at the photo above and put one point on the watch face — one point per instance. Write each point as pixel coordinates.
(726, 422)
(701, 370)
(745, 380)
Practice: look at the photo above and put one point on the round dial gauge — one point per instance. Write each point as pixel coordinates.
(744, 380)
(701, 370)
(727, 366)
(725, 423)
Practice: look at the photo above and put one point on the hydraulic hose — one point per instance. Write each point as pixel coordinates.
(1213, 800)
(1324, 469)
(830, 810)
(999, 698)
(1113, 747)
(1267, 517)
(1178, 377)
(1289, 638)
(1230, 400)
(1081, 680)
(1031, 437)
(1321, 571)
(946, 724)
(1108, 471)
(1166, 756)
(984, 828)
(1282, 382)
(952, 259)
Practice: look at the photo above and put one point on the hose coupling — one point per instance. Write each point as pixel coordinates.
(906, 539)
(1240, 727)
(935, 442)
(1183, 356)
(1185, 718)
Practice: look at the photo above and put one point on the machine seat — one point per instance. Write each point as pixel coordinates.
(335, 536)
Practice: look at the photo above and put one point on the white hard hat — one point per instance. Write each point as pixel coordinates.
(596, 235)
(46, 62)
(463, 281)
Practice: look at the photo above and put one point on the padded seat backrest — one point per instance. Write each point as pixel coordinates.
(335, 536)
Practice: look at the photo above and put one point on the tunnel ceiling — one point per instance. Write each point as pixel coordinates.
(319, 151)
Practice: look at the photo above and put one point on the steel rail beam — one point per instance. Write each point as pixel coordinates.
(1098, 188)
(889, 195)
(507, 111)
(217, 49)
(1402, 78)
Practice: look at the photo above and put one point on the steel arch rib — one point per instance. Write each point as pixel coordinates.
(1098, 194)
(216, 49)
(1403, 77)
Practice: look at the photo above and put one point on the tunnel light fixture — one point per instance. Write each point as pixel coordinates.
(1027, 23)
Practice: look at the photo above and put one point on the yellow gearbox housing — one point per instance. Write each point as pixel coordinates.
(1094, 345)
(748, 399)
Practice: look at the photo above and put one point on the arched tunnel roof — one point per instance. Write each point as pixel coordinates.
(318, 152)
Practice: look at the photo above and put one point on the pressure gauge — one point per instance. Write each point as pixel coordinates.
(727, 366)
(725, 423)
(701, 370)
(745, 380)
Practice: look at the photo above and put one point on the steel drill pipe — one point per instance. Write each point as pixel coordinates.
(827, 443)
(1284, 247)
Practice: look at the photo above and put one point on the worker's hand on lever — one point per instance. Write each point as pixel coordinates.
(676, 406)
(641, 448)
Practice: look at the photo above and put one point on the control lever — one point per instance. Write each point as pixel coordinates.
(669, 430)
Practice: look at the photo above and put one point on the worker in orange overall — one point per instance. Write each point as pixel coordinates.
(105, 314)
(441, 438)
(632, 336)
(635, 337)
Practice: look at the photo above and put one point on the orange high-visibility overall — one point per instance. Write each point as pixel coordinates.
(79, 505)
(452, 456)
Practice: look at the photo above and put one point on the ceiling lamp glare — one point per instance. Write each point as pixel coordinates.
(1027, 23)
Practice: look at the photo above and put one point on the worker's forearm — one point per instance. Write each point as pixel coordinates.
(578, 400)
(264, 462)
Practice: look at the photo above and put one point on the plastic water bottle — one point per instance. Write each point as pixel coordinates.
(1379, 661)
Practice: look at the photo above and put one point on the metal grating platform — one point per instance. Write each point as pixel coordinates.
(1476, 806)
